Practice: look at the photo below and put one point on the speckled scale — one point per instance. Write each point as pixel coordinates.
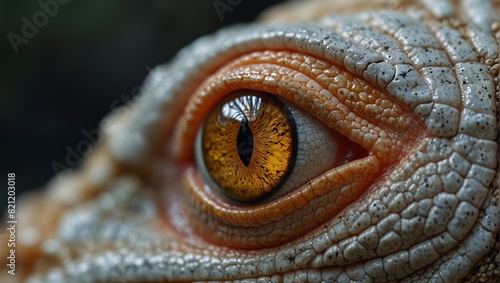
(432, 217)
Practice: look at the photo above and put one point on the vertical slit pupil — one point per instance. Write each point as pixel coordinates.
(245, 142)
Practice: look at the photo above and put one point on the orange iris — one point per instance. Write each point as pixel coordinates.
(249, 145)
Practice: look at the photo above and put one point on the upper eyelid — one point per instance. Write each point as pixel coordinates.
(175, 82)
(167, 87)
(332, 102)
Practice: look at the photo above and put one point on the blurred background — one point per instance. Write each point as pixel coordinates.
(64, 66)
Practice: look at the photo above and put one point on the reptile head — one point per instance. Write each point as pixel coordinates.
(328, 143)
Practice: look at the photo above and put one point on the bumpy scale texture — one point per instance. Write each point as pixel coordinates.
(415, 84)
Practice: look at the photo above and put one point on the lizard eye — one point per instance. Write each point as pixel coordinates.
(274, 137)
(339, 137)
(255, 147)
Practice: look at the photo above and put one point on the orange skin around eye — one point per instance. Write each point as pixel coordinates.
(355, 109)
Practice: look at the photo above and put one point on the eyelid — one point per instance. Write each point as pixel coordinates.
(342, 101)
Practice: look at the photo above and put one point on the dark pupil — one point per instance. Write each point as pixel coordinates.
(245, 142)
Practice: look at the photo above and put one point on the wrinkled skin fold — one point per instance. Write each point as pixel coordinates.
(414, 84)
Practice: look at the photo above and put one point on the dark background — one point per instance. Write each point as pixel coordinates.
(75, 65)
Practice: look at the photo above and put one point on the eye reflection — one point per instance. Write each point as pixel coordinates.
(243, 109)
(249, 145)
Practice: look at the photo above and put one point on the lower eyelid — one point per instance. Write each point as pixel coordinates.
(234, 226)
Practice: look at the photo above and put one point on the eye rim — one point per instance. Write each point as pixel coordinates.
(309, 93)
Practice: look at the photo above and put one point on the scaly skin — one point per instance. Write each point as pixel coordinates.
(417, 91)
